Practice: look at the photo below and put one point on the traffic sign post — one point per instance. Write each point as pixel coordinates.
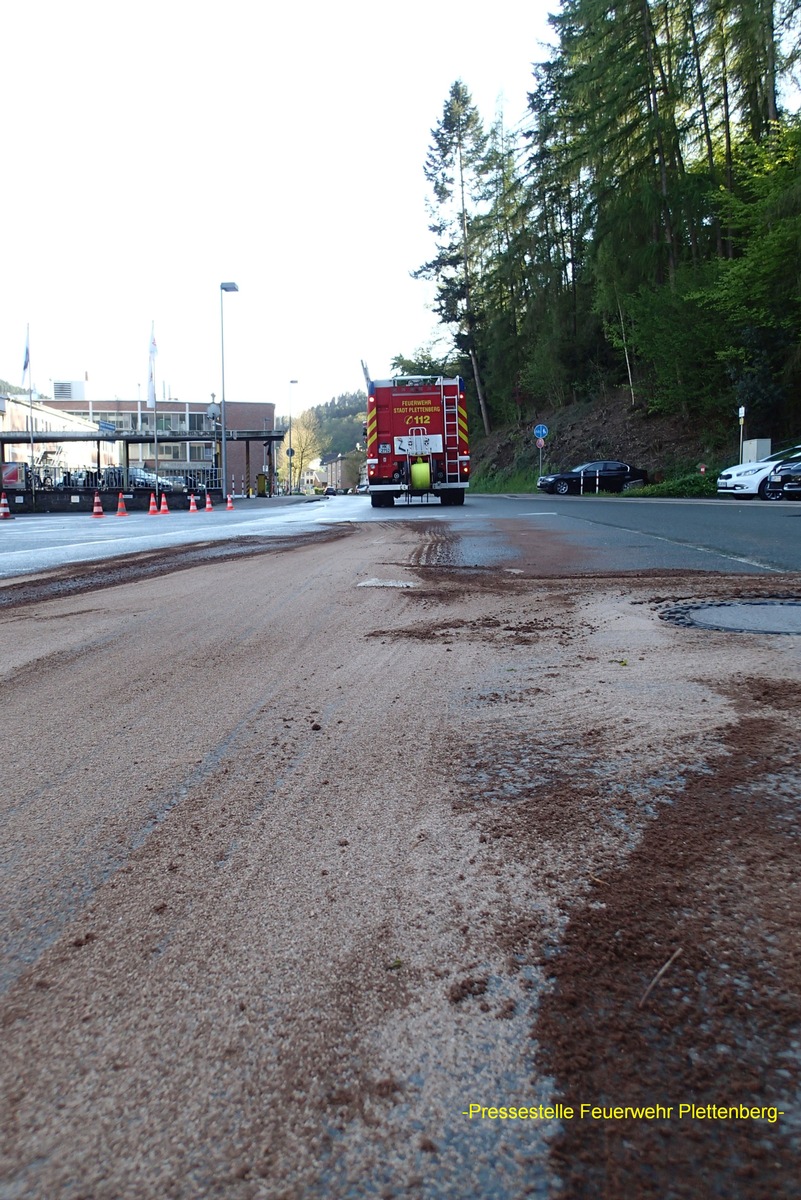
(540, 433)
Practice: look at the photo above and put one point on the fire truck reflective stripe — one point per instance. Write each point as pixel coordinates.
(372, 428)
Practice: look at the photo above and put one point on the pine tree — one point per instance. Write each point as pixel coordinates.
(454, 168)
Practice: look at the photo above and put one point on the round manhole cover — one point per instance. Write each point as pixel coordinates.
(738, 616)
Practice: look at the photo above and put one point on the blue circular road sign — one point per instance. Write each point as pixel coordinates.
(541, 431)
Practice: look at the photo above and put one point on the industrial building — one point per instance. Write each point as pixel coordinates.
(176, 439)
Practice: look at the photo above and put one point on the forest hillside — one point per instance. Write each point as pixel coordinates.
(603, 427)
(642, 226)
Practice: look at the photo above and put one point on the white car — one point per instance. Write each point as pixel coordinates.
(751, 479)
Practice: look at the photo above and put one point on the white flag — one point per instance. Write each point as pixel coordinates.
(151, 379)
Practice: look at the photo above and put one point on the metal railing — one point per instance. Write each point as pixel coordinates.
(55, 478)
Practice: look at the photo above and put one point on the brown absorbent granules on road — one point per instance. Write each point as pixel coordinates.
(712, 886)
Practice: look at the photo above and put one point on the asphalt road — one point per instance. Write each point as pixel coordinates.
(313, 854)
(604, 533)
(707, 535)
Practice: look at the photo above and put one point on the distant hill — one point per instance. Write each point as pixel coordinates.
(8, 389)
(342, 422)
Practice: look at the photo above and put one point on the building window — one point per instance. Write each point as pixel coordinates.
(120, 420)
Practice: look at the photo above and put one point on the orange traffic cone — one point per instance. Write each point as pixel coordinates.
(122, 511)
(209, 505)
(152, 511)
(163, 508)
(230, 505)
(192, 505)
(5, 511)
(97, 511)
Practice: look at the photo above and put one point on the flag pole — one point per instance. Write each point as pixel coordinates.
(151, 400)
(27, 366)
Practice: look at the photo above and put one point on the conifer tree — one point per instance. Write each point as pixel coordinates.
(454, 168)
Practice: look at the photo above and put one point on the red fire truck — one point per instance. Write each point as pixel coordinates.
(416, 439)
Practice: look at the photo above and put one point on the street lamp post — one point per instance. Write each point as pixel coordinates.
(290, 451)
(224, 287)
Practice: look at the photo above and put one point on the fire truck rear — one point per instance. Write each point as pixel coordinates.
(417, 439)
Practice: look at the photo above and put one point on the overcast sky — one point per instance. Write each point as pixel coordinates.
(153, 150)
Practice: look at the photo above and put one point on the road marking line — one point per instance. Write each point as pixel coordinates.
(748, 562)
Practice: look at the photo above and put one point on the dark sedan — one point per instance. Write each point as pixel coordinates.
(602, 476)
(785, 482)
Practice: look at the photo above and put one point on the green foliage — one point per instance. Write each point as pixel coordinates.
(683, 487)
(755, 297)
(679, 337)
(423, 363)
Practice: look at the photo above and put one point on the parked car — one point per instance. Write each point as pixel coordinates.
(362, 489)
(186, 483)
(750, 479)
(606, 475)
(194, 483)
(139, 478)
(784, 482)
(74, 479)
(330, 491)
(113, 479)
